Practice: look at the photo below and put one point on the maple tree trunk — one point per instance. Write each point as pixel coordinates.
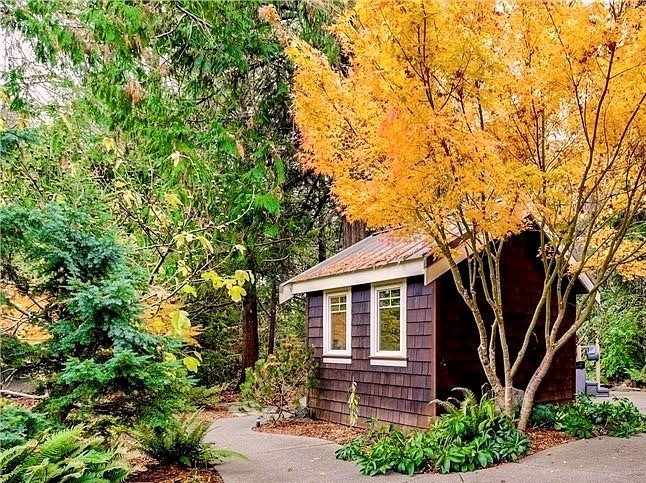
(532, 388)
(273, 312)
(353, 232)
(250, 328)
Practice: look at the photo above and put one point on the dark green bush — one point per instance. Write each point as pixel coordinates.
(585, 418)
(18, 425)
(180, 442)
(471, 436)
(102, 361)
(63, 456)
(544, 416)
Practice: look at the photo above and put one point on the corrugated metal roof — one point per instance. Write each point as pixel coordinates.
(372, 252)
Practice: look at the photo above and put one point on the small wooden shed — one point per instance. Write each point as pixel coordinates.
(387, 315)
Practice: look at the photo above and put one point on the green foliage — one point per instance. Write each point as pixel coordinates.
(18, 425)
(619, 323)
(179, 125)
(180, 442)
(469, 436)
(585, 418)
(544, 415)
(15, 355)
(101, 359)
(66, 455)
(282, 379)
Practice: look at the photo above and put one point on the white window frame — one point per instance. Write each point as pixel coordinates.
(336, 356)
(387, 358)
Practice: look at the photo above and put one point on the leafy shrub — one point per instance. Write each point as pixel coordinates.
(470, 436)
(63, 456)
(180, 441)
(18, 425)
(586, 418)
(544, 416)
(620, 325)
(282, 379)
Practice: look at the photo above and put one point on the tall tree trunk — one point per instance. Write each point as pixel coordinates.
(250, 328)
(353, 232)
(273, 312)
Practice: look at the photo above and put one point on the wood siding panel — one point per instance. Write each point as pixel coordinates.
(399, 395)
(522, 283)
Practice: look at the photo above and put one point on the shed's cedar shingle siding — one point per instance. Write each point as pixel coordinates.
(395, 394)
(522, 283)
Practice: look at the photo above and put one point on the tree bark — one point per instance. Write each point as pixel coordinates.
(273, 312)
(353, 232)
(532, 387)
(250, 328)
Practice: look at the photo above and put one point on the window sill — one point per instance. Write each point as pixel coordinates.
(337, 360)
(388, 361)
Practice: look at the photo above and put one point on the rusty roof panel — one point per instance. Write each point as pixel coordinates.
(372, 252)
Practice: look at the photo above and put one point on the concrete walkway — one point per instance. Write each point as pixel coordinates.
(275, 458)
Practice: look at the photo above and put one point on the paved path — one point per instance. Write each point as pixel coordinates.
(275, 458)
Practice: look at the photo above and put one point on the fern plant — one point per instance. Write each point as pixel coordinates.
(181, 442)
(63, 456)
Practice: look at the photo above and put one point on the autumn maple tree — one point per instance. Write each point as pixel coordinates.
(477, 120)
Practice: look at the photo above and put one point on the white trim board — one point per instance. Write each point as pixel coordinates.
(408, 268)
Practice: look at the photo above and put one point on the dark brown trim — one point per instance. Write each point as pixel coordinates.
(434, 350)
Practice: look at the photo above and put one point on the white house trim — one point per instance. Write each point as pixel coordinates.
(328, 352)
(388, 358)
(402, 270)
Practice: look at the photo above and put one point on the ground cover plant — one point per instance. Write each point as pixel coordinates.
(471, 435)
(66, 455)
(585, 418)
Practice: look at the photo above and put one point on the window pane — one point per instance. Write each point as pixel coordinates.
(389, 329)
(338, 331)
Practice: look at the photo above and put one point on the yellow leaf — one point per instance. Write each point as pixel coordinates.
(172, 199)
(3, 95)
(180, 240)
(21, 123)
(3, 123)
(241, 276)
(108, 144)
(179, 321)
(169, 356)
(208, 246)
(191, 363)
(236, 292)
(240, 248)
(214, 278)
(188, 290)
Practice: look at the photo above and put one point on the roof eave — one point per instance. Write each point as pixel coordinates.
(392, 271)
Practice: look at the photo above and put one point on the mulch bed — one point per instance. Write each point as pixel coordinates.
(540, 439)
(175, 474)
(337, 433)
